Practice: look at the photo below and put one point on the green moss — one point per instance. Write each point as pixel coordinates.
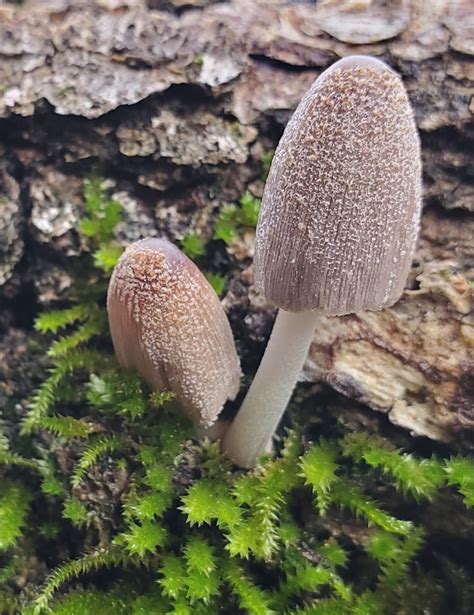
(14, 507)
(177, 529)
(318, 468)
(90, 455)
(102, 214)
(75, 511)
(233, 217)
(218, 282)
(419, 478)
(266, 160)
(460, 473)
(193, 246)
(226, 227)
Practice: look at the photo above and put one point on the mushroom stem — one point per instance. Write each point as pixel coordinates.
(249, 434)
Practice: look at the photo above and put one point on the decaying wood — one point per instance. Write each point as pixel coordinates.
(175, 101)
(411, 360)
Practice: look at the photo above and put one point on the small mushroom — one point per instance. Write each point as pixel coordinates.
(168, 324)
(337, 228)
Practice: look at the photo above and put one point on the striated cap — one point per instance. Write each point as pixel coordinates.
(341, 207)
(168, 324)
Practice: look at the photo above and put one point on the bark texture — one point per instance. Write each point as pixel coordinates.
(175, 101)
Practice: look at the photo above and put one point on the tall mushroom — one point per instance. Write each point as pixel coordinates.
(337, 228)
(168, 324)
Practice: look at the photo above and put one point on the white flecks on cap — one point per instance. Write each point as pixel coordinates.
(341, 207)
(168, 324)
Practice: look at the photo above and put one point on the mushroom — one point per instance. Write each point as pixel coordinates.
(168, 324)
(337, 227)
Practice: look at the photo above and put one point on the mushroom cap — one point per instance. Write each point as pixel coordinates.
(341, 206)
(168, 324)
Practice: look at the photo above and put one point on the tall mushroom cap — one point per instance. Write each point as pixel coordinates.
(340, 211)
(168, 324)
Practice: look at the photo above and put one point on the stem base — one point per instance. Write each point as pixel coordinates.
(249, 434)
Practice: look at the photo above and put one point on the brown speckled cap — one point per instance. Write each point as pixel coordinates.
(341, 207)
(168, 324)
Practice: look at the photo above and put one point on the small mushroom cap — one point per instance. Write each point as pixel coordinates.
(341, 207)
(168, 324)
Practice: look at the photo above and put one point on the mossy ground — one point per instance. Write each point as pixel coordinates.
(109, 505)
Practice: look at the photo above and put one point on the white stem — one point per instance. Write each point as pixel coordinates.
(249, 434)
